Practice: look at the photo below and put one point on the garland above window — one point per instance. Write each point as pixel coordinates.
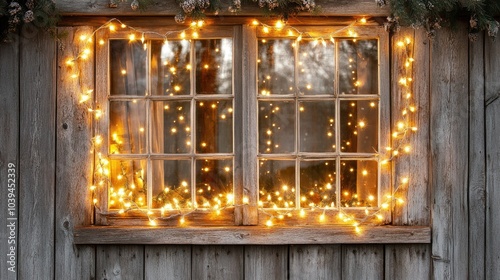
(16, 15)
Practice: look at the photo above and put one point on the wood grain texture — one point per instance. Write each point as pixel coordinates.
(120, 262)
(409, 262)
(9, 150)
(266, 262)
(492, 111)
(167, 262)
(449, 172)
(37, 157)
(170, 8)
(415, 166)
(217, 262)
(250, 235)
(321, 262)
(363, 262)
(477, 160)
(73, 160)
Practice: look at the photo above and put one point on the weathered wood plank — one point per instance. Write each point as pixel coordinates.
(167, 262)
(407, 262)
(120, 262)
(37, 157)
(170, 8)
(73, 160)
(363, 262)
(266, 262)
(449, 132)
(477, 160)
(492, 67)
(415, 165)
(321, 262)
(217, 262)
(9, 154)
(251, 235)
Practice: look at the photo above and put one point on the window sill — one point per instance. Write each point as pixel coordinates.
(251, 235)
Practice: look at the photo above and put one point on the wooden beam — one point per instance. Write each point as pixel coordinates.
(240, 235)
(171, 8)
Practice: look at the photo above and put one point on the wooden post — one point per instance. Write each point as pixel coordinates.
(74, 158)
(37, 157)
(9, 159)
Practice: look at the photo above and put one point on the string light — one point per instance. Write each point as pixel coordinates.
(122, 195)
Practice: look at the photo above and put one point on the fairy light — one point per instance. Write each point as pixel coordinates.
(118, 196)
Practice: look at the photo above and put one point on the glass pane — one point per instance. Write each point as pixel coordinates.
(128, 68)
(276, 66)
(317, 126)
(316, 67)
(359, 126)
(276, 127)
(214, 183)
(171, 127)
(277, 183)
(172, 184)
(128, 184)
(358, 66)
(170, 67)
(214, 66)
(127, 127)
(317, 183)
(214, 126)
(358, 183)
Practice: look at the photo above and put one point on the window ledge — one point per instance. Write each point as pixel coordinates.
(251, 235)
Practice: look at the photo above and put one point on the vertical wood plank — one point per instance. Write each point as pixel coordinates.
(73, 159)
(363, 262)
(167, 262)
(477, 160)
(37, 157)
(409, 261)
(9, 154)
(266, 262)
(120, 262)
(321, 262)
(415, 166)
(449, 132)
(217, 262)
(492, 67)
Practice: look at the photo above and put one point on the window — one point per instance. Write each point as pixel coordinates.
(245, 118)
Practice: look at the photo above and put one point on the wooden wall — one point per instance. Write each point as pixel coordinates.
(455, 169)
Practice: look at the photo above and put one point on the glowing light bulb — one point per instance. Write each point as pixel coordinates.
(269, 223)
(363, 20)
(279, 24)
(255, 22)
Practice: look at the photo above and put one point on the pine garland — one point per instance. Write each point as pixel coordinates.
(433, 14)
(16, 15)
(26, 16)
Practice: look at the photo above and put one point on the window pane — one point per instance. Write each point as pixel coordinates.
(214, 66)
(317, 126)
(359, 126)
(276, 66)
(358, 182)
(170, 67)
(276, 127)
(127, 127)
(358, 69)
(172, 184)
(214, 183)
(171, 127)
(317, 183)
(214, 126)
(128, 184)
(128, 68)
(316, 67)
(277, 183)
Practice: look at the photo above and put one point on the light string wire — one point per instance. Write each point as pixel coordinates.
(400, 135)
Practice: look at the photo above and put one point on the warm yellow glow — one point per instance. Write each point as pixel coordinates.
(363, 20)
(183, 35)
(279, 24)
(131, 37)
(246, 200)
(152, 223)
(195, 35)
(269, 223)
(255, 22)
(112, 27)
(182, 220)
(400, 44)
(265, 29)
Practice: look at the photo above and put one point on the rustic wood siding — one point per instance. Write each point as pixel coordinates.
(454, 188)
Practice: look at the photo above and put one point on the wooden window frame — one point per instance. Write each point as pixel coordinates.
(228, 228)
